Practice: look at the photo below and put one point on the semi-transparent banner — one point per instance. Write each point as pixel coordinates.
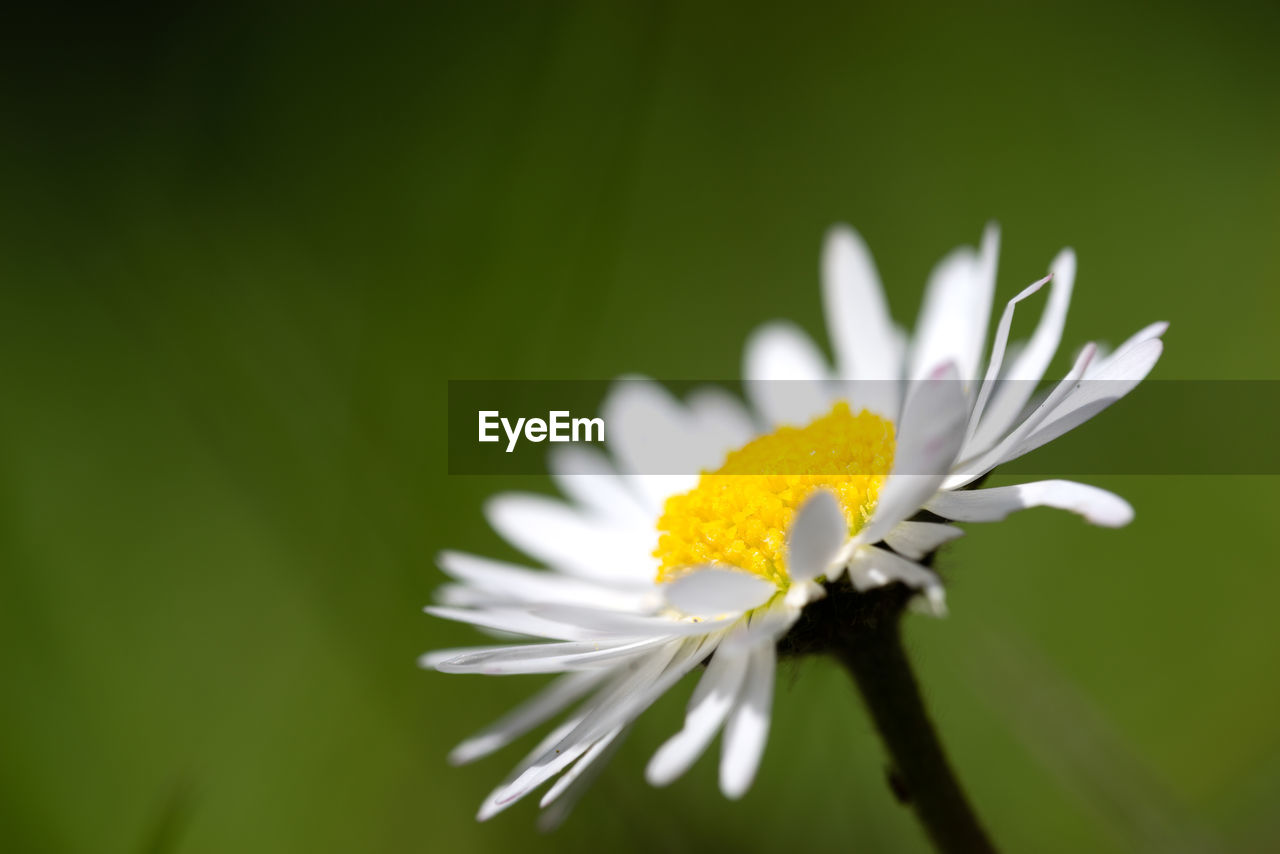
(1228, 427)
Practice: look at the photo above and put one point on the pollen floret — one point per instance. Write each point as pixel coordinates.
(738, 516)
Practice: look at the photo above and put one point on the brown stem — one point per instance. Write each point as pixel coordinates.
(871, 649)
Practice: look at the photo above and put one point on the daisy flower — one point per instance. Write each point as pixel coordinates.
(710, 526)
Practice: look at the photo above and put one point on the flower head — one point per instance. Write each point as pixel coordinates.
(821, 480)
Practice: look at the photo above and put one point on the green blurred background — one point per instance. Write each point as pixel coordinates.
(243, 247)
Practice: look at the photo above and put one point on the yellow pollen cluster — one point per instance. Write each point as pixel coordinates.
(738, 516)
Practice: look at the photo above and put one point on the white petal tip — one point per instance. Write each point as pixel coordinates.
(736, 785)
(1100, 507)
(435, 658)
(463, 754)
(735, 789)
(840, 231)
(1116, 515)
(931, 602)
(657, 774)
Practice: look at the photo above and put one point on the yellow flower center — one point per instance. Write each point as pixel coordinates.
(738, 516)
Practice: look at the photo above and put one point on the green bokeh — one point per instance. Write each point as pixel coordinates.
(242, 250)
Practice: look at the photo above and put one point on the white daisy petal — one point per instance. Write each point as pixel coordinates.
(609, 709)
(585, 475)
(615, 706)
(467, 596)
(930, 436)
(534, 776)
(747, 729)
(1028, 367)
(723, 416)
(710, 591)
(918, 539)
(786, 375)
(524, 717)
(816, 535)
(496, 583)
(1146, 333)
(515, 620)
(710, 704)
(433, 659)
(957, 305)
(686, 655)
(1097, 506)
(874, 567)
(654, 439)
(867, 344)
(996, 361)
(1092, 385)
(1112, 381)
(972, 469)
(562, 537)
(1035, 357)
(596, 596)
(548, 657)
(489, 808)
(624, 624)
(576, 782)
(593, 755)
(768, 625)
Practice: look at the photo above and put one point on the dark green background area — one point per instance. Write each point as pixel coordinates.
(242, 250)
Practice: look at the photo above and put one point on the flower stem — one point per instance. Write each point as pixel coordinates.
(871, 649)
